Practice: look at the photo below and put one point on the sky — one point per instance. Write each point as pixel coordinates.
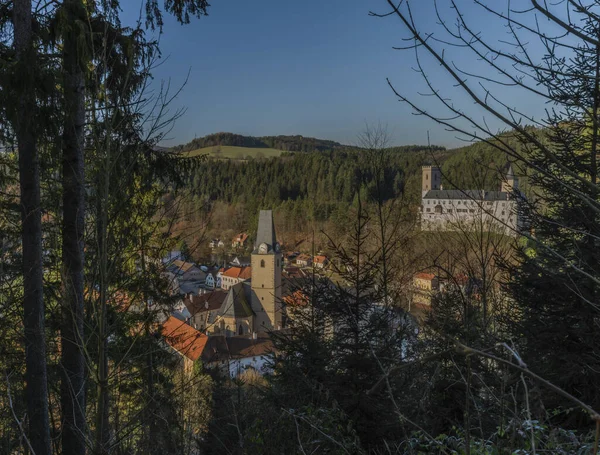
(315, 68)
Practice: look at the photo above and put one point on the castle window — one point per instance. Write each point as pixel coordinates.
(438, 209)
(426, 177)
(428, 210)
(262, 263)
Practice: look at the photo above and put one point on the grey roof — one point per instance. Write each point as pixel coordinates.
(510, 174)
(236, 304)
(476, 195)
(266, 230)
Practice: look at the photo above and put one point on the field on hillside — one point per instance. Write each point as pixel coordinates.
(235, 153)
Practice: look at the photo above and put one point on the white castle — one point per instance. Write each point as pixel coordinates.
(453, 210)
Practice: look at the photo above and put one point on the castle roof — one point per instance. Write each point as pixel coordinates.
(266, 231)
(236, 304)
(476, 195)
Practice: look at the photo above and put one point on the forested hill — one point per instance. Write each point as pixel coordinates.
(324, 180)
(294, 143)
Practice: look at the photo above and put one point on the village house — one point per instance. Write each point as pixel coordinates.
(235, 275)
(187, 271)
(216, 243)
(185, 277)
(185, 341)
(303, 260)
(425, 286)
(320, 261)
(290, 258)
(232, 356)
(239, 241)
(249, 352)
(213, 279)
(204, 309)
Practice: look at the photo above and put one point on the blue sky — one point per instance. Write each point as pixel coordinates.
(316, 68)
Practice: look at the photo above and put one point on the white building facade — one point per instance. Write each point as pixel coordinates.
(455, 210)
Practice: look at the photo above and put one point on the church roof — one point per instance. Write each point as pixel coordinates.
(510, 174)
(236, 304)
(476, 195)
(266, 230)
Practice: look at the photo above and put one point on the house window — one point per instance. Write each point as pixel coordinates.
(428, 209)
(262, 263)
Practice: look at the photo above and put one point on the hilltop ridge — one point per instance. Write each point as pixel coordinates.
(282, 143)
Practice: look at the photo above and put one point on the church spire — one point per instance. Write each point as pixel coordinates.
(265, 234)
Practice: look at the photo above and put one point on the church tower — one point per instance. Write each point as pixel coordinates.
(266, 275)
(431, 179)
(510, 182)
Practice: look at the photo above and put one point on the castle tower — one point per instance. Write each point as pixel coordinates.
(431, 179)
(510, 182)
(266, 275)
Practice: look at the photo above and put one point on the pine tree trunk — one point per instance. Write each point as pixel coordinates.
(72, 362)
(29, 178)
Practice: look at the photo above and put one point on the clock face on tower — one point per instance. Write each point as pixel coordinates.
(263, 248)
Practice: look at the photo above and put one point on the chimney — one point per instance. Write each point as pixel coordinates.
(254, 335)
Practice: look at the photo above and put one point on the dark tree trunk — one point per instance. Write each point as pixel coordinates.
(73, 364)
(29, 178)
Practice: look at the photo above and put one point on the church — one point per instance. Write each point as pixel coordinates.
(250, 306)
(455, 210)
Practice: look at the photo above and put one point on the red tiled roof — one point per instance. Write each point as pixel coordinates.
(243, 273)
(425, 276)
(183, 338)
(320, 259)
(241, 238)
(296, 299)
